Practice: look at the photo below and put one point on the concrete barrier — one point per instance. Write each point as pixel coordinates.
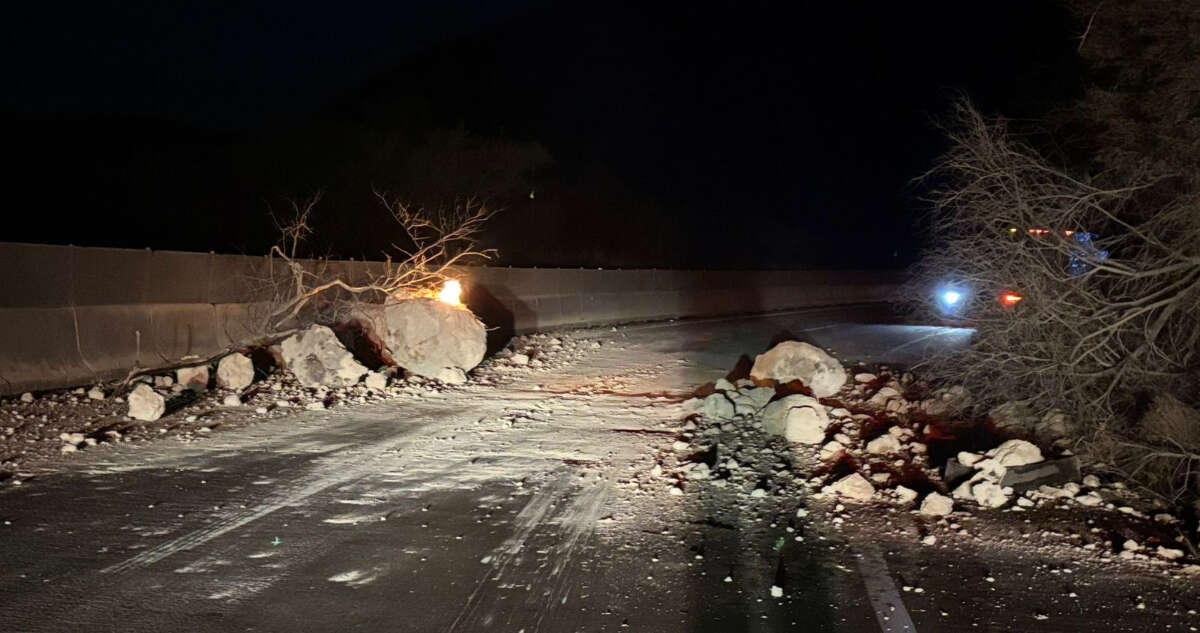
(72, 316)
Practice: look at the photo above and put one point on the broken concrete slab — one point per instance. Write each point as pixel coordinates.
(1051, 472)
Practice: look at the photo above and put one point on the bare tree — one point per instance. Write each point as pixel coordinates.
(430, 244)
(1104, 281)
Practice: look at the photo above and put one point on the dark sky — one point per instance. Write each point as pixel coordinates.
(755, 134)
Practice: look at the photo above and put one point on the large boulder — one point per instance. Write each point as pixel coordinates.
(145, 403)
(428, 337)
(793, 360)
(235, 371)
(798, 418)
(317, 358)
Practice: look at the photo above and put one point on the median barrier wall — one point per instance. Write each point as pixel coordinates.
(72, 316)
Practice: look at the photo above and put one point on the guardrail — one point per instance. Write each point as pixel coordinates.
(73, 315)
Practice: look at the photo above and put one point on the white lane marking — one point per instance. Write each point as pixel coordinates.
(885, 600)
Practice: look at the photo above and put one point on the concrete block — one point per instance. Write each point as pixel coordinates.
(178, 330)
(110, 276)
(175, 277)
(1051, 472)
(37, 350)
(35, 275)
(116, 337)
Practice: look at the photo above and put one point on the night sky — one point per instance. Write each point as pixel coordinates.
(745, 135)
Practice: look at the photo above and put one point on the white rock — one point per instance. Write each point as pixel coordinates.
(718, 407)
(905, 495)
(792, 360)
(830, 449)
(27, 397)
(937, 505)
(865, 377)
(760, 396)
(1169, 553)
(1089, 499)
(1091, 481)
(519, 359)
(146, 404)
(968, 459)
(451, 375)
(883, 445)
(317, 358)
(426, 336)
(377, 381)
(724, 385)
(1016, 453)
(194, 378)
(798, 418)
(853, 487)
(164, 382)
(235, 371)
(95, 393)
(231, 400)
(989, 494)
(776, 591)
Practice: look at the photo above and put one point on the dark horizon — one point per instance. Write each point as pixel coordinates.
(676, 136)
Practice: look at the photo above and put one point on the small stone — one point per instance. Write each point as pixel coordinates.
(95, 393)
(883, 445)
(194, 378)
(1169, 553)
(27, 397)
(865, 378)
(519, 359)
(1091, 481)
(905, 495)
(937, 505)
(776, 591)
(1089, 499)
(376, 381)
(853, 487)
(231, 400)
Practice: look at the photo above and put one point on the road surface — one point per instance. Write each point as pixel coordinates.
(523, 506)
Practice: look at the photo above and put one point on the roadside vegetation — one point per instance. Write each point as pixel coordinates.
(1072, 245)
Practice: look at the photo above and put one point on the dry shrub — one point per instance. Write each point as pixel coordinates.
(1102, 321)
(1162, 455)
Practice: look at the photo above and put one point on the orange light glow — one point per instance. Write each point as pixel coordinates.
(451, 293)
(1039, 231)
(1068, 233)
(1010, 299)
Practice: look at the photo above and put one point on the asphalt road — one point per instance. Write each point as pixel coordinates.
(509, 508)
